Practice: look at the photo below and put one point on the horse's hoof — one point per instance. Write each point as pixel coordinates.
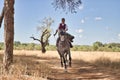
(66, 70)
(67, 64)
(70, 65)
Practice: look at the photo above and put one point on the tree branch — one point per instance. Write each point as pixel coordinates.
(47, 42)
(35, 39)
(1, 17)
(67, 5)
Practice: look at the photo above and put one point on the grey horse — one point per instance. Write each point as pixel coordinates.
(63, 49)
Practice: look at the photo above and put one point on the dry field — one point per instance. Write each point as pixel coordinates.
(32, 65)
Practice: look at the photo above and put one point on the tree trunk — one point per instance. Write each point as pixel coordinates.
(8, 32)
(43, 47)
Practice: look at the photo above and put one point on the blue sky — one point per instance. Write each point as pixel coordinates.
(95, 20)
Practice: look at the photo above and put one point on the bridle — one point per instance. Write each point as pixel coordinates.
(62, 36)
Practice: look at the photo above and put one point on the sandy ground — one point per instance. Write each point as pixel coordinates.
(81, 68)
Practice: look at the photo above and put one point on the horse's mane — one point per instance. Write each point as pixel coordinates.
(64, 43)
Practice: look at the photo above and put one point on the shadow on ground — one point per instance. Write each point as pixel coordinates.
(80, 69)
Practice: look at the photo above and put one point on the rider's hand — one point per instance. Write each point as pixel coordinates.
(54, 34)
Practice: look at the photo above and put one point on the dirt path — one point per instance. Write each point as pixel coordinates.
(80, 70)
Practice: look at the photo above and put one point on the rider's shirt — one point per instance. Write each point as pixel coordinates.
(62, 27)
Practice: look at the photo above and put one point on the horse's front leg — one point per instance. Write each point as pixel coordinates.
(70, 59)
(66, 58)
(64, 62)
(60, 58)
(61, 61)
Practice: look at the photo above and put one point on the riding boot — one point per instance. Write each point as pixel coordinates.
(57, 41)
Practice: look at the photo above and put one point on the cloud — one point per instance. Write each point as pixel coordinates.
(82, 21)
(79, 33)
(80, 30)
(81, 7)
(118, 35)
(98, 18)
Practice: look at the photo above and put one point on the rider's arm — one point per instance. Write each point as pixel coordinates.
(56, 32)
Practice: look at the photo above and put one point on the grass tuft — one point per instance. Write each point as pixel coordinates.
(106, 62)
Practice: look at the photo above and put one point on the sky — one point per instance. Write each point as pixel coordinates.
(95, 20)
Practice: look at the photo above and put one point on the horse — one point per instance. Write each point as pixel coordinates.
(63, 49)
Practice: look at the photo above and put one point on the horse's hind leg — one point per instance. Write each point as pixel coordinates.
(70, 61)
(66, 59)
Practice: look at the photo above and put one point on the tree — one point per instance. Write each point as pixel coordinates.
(96, 45)
(67, 5)
(111, 45)
(17, 43)
(8, 15)
(45, 33)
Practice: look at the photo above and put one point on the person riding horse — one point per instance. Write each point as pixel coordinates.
(63, 28)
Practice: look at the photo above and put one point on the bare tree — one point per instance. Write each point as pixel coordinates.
(67, 5)
(45, 33)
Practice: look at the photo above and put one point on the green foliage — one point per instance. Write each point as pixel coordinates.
(17, 43)
(1, 45)
(26, 46)
(97, 46)
(51, 47)
(82, 48)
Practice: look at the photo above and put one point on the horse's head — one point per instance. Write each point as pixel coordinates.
(63, 36)
(63, 41)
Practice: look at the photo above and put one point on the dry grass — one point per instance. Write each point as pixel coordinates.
(86, 56)
(106, 62)
(27, 67)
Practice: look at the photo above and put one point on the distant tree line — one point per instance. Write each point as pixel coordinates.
(96, 46)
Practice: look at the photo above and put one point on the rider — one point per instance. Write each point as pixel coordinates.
(63, 27)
